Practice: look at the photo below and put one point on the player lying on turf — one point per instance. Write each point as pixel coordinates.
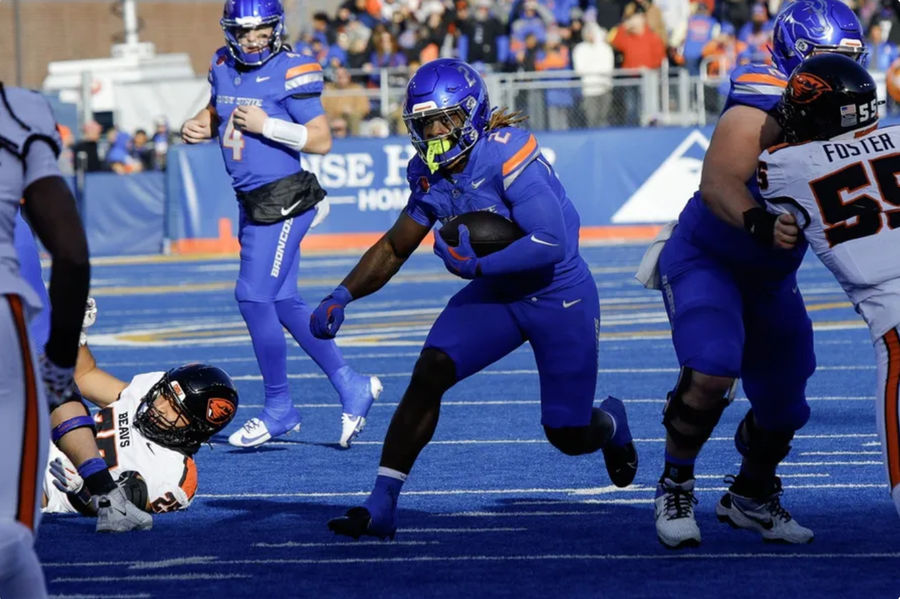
(838, 179)
(147, 431)
(537, 289)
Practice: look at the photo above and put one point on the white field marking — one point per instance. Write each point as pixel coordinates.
(780, 475)
(340, 544)
(178, 561)
(821, 464)
(456, 492)
(138, 596)
(872, 444)
(840, 453)
(521, 514)
(535, 557)
(150, 577)
(462, 530)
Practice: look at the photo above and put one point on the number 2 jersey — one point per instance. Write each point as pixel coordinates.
(170, 475)
(288, 87)
(845, 194)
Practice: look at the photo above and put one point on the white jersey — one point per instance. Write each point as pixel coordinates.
(845, 194)
(29, 147)
(171, 476)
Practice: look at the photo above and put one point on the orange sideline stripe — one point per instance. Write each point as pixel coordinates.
(226, 243)
(303, 68)
(28, 469)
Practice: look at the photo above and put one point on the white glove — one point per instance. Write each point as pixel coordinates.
(65, 476)
(90, 317)
(322, 210)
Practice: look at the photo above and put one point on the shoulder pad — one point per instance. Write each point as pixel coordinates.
(302, 74)
(418, 175)
(220, 57)
(755, 85)
(513, 149)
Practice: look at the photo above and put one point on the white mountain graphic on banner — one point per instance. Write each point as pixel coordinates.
(667, 190)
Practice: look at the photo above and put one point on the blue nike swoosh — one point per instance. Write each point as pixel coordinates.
(251, 439)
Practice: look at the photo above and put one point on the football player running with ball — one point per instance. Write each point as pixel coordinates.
(537, 289)
(265, 108)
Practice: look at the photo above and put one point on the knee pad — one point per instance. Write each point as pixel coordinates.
(434, 369)
(571, 440)
(761, 446)
(688, 426)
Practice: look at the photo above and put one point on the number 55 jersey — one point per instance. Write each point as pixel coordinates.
(171, 476)
(845, 195)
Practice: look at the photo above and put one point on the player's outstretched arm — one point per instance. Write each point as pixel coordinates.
(740, 136)
(96, 385)
(374, 269)
(200, 127)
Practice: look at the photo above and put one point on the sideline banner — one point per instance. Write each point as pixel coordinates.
(628, 176)
(123, 214)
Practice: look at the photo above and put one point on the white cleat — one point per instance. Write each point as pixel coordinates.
(255, 433)
(676, 526)
(116, 514)
(765, 515)
(352, 425)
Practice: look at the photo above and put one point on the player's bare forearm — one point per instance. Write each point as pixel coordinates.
(96, 385)
(731, 159)
(201, 127)
(319, 140)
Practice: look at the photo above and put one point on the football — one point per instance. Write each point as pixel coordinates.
(488, 232)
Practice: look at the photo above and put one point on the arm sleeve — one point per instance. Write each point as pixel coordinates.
(537, 209)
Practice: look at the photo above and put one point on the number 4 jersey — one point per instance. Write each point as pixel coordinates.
(845, 195)
(171, 476)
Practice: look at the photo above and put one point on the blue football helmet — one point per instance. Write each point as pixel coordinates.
(239, 15)
(452, 91)
(807, 27)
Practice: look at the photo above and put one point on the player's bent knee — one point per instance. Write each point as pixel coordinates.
(689, 425)
(434, 369)
(571, 440)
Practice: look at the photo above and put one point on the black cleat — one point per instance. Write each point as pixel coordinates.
(358, 522)
(619, 453)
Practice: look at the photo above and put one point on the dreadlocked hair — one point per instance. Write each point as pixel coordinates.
(501, 118)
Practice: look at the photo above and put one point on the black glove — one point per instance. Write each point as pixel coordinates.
(761, 225)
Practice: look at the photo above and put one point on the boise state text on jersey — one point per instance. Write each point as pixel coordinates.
(495, 164)
(286, 87)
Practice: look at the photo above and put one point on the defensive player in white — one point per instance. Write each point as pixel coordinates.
(836, 179)
(147, 430)
(29, 145)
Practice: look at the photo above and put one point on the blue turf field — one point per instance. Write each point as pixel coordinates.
(491, 509)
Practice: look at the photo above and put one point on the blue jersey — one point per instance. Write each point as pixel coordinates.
(287, 87)
(506, 174)
(757, 86)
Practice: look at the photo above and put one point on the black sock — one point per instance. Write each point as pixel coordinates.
(678, 470)
(100, 483)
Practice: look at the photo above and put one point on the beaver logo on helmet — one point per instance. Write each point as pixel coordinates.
(219, 410)
(806, 88)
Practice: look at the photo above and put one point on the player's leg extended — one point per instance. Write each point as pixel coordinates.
(563, 329)
(887, 408)
(23, 447)
(356, 391)
(778, 360)
(705, 311)
(267, 254)
(472, 332)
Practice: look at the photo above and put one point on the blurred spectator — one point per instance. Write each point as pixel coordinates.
(350, 103)
(701, 29)
(482, 30)
(87, 151)
(367, 12)
(66, 160)
(652, 14)
(555, 57)
(118, 158)
(376, 127)
(322, 29)
(338, 127)
(881, 52)
(675, 14)
(593, 60)
(736, 12)
(723, 52)
(609, 13)
(162, 139)
(533, 21)
(141, 150)
(641, 48)
(757, 33)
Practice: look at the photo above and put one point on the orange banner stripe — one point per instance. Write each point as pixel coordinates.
(526, 150)
(891, 422)
(303, 68)
(28, 468)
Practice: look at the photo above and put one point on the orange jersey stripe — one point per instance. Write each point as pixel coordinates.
(891, 422)
(28, 469)
(188, 481)
(520, 156)
(761, 78)
(303, 68)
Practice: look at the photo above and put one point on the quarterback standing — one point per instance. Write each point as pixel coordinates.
(265, 108)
